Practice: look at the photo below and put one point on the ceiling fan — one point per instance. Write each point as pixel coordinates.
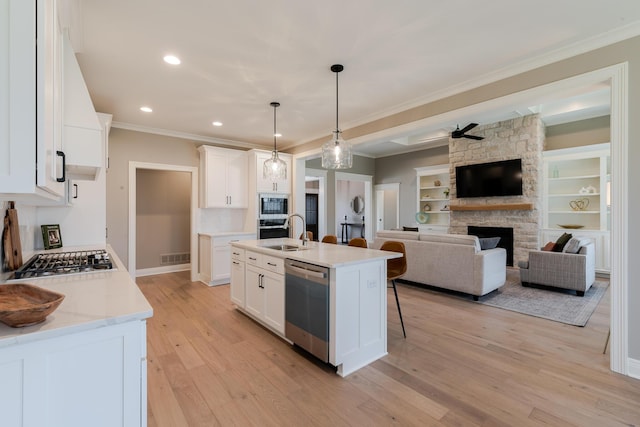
(461, 133)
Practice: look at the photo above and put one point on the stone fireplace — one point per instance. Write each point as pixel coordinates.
(517, 138)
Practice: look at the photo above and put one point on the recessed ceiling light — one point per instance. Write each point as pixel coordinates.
(217, 123)
(173, 60)
(146, 109)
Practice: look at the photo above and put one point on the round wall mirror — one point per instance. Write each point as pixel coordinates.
(357, 205)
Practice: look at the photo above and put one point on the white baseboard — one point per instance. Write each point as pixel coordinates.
(633, 368)
(162, 270)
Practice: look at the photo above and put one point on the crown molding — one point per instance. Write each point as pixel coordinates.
(185, 135)
(592, 43)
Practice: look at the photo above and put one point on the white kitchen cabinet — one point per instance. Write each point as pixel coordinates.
(223, 177)
(96, 377)
(264, 185)
(237, 288)
(432, 207)
(215, 256)
(264, 289)
(31, 106)
(576, 196)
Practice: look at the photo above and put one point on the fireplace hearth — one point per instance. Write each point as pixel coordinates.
(505, 234)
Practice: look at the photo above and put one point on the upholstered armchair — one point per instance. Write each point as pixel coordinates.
(561, 270)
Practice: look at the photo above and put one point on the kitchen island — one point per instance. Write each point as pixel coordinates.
(86, 363)
(357, 295)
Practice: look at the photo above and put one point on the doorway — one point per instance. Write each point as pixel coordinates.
(387, 206)
(193, 241)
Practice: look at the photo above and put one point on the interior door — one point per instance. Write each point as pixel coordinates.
(379, 210)
(311, 214)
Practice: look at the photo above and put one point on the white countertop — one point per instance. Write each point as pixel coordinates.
(92, 300)
(324, 254)
(227, 233)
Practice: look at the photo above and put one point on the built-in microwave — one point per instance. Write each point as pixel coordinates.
(272, 205)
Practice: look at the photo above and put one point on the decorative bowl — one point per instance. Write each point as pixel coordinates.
(571, 226)
(422, 218)
(22, 304)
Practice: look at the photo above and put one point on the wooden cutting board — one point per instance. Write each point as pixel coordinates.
(11, 239)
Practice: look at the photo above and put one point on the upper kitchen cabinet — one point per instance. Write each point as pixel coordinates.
(31, 155)
(223, 177)
(264, 185)
(82, 131)
(47, 128)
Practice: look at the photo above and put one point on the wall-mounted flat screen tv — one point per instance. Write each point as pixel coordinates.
(502, 178)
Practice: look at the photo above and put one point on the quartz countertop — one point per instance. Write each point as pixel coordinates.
(92, 300)
(323, 254)
(227, 233)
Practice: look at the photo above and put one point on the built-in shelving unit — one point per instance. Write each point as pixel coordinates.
(432, 184)
(576, 196)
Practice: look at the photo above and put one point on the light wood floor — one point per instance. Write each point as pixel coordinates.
(462, 364)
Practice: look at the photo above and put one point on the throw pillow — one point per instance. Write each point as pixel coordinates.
(562, 240)
(488, 242)
(409, 228)
(572, 246)
(549, 246)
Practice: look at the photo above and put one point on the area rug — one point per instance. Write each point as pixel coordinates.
(548, 303)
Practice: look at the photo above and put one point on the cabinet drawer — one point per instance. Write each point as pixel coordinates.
(273, 264)
(237, 254)
(253, 258)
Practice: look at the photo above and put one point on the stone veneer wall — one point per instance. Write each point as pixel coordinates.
(517, 138)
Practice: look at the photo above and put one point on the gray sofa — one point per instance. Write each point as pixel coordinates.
(449, 261)
(561, 270)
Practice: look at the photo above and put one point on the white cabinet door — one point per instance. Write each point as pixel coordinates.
(95, 378)
(264, 290)
(273, 285)
(30, 107)
(237, 166)
(264, 185)
(254, 295)
(221, 262)
(223, 178)
(213, 185)
(237, 282)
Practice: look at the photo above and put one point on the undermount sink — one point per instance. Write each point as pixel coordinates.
(286, 248)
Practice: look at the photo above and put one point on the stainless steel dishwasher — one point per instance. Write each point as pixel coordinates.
(307, 307)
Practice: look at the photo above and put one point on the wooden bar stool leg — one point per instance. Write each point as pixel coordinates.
(393, 282)
(607, 341)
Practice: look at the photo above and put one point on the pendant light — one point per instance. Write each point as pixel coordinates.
(337, 153)
(275, 168)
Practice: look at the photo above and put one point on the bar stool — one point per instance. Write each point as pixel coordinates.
(358, 242)
(395, 269)
(309, 235)
(330, 238)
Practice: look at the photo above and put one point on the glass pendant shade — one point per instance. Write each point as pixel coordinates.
(337, 153)
(274, 169)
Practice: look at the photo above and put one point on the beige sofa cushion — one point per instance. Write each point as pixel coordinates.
(457, 239)
(393, 234)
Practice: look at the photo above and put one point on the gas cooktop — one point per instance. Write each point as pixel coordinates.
(51, 264)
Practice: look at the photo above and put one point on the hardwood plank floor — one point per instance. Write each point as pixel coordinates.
(462, 364)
